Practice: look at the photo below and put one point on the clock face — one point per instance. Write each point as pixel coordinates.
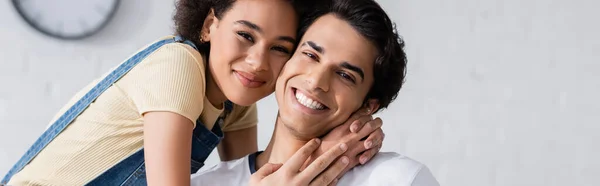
(67, 19)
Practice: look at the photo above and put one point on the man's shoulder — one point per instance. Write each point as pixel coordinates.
(234, 172)
(390, 168)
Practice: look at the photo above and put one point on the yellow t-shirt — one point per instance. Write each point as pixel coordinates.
(172, 79)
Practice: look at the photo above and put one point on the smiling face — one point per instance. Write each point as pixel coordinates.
(249, 46)
(327, 79)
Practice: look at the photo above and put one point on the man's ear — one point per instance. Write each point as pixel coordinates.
(372, 105)
(209, 26)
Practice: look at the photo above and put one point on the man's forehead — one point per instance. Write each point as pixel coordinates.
(335, 34)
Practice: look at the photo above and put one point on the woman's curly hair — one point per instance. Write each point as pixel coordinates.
(190, 15)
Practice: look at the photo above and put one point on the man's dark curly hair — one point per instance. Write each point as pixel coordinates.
(370, 20)
(190, 15)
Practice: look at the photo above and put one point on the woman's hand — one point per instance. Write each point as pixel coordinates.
(319, 172)
(363, 135)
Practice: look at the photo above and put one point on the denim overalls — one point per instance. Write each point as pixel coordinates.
(131, 170)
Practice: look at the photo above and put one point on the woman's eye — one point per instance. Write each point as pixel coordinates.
(246, 36)
(281, 49)
(347, 77)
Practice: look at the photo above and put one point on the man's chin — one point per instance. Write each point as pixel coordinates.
(303, 129)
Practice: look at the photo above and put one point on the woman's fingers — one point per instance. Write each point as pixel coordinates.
(334, 182)
(330, 175)
(266, 170)
(370, 127)
(368, 155)
(298, 159)
(358, 124)
(322, 162)
(374, 139)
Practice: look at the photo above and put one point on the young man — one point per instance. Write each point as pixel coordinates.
(350, 52)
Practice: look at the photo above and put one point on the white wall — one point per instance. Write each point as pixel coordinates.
(498, 92)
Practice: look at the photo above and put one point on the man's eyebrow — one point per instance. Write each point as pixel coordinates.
(258, 29)
(356, 69)
(249, 24)
(314, 46)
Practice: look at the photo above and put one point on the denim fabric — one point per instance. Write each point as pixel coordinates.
(131, 170)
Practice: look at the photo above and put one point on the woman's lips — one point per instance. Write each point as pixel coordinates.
(248, 79)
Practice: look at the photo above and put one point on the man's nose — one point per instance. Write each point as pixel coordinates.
(318, 79)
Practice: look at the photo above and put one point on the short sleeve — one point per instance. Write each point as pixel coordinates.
(170, 79)
(240, 118)
(390, 168)
(424, 178)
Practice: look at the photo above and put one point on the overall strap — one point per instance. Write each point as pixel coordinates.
(64, 120)
(228, 108)
(228, 105)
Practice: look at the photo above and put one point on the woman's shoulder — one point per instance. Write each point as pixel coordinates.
(181, 51)
(167, 61)
(171, 59)
(170, 78)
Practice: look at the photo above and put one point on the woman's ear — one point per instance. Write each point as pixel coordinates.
(210, 23)
(372, 105)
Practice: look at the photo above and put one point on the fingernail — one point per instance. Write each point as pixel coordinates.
(345, 160)
(354, 128)
(363, 160)
(318, 140)
(343, 147)
(369, 144)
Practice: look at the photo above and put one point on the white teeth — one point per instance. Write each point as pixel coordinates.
(307, 102)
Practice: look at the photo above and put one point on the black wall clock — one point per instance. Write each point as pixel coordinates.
(67, 19)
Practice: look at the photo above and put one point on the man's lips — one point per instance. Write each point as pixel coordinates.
(248, 79)
(300, 107)
(295, 91)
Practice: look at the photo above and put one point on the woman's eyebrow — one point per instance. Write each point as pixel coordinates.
(249, 25)
(259, 30)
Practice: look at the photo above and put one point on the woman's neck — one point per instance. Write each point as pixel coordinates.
(213, 93)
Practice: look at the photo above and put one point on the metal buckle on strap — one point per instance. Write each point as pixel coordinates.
(178, 39)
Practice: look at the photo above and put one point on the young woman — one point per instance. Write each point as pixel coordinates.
(173, 100)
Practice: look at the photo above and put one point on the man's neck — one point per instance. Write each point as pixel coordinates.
(282, 146)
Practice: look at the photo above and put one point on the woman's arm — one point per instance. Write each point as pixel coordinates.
(240, 133)
(238, 144)
(167, 148)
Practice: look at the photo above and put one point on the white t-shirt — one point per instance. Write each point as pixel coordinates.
(386, 168)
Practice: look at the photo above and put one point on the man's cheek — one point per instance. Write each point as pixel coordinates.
(278, 69)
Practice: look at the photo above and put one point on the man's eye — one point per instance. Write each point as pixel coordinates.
(246, 36)
(312, 56)
(347, 77)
